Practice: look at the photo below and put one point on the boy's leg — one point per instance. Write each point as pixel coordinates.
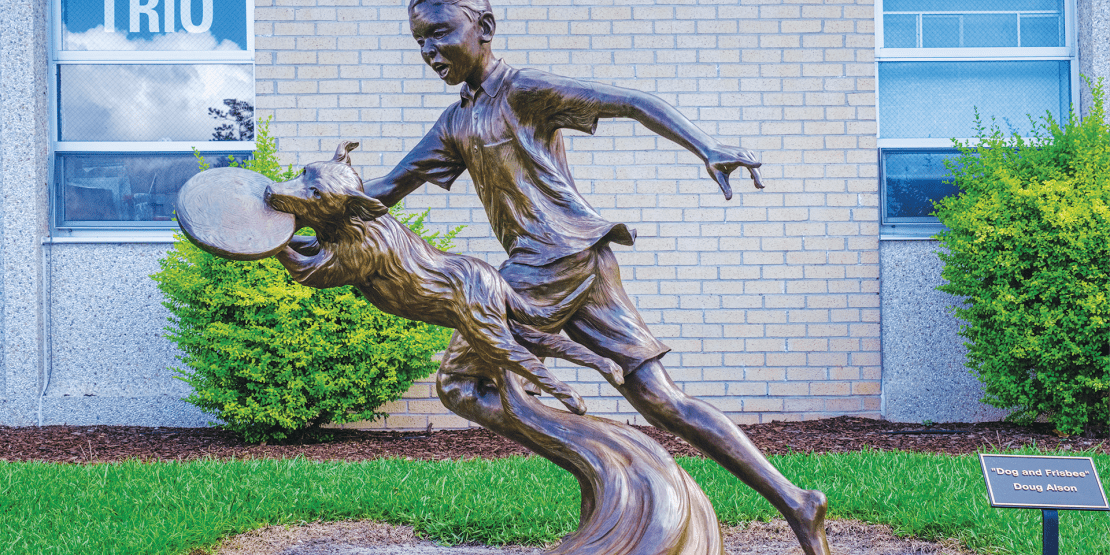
(610, 325)
(667, 407)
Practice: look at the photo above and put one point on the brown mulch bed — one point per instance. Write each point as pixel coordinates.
(83, 444)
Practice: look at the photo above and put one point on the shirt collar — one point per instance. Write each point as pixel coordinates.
(491, 86)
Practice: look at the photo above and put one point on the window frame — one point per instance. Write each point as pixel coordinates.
(124, 230)
(1068, 52)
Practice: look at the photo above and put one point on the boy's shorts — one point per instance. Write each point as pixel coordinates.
(607, 322)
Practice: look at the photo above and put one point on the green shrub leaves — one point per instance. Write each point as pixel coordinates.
(1028, 249)
(273, 359)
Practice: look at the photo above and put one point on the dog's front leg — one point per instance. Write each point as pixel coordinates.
(306, 270)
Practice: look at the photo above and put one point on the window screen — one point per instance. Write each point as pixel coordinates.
(973, 23)
(912, 181)
(923, 99)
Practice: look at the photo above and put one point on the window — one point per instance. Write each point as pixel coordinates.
(137, 84)
(940, 61)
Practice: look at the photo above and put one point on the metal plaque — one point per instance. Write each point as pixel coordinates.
(1043, 482)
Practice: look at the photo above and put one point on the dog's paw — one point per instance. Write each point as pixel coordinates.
(613, 373)
(572, 401)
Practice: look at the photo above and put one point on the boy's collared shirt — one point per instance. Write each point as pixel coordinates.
(506, 133)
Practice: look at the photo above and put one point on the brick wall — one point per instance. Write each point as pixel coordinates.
(770, 301)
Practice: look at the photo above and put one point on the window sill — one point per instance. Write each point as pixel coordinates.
(910, 232)
(102, 236)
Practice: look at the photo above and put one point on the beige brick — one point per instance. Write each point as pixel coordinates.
(823, 41)
(779, 12)
(652, 12)
(843, 404)
(860, 12)
(431, 406)
(871, 373)
(761, 56)
(844, 344)
(356, 14)
(788, 388)
(830, 388)
(804, 84)
(801, 55)
(407, 422)
(703, 389)
(296, 87)
(844, 373)
(744, 359)
(747, 388)
(805, 406)
(779, 41)
(763, 344)
(806, 287)
(867, 388)
(803, 113)
(293, 29)
(821, 12)
(612, 12)
(827, 99)
(762, 405)
(823, 70)
(827, 330)
(801, 26)
(782, 128)
(323, 14)
(808, 374)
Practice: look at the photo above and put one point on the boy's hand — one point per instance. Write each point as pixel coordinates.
(723, 159)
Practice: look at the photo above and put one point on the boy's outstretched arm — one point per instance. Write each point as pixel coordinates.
(393, 186)
(433, 160)
(666, 121)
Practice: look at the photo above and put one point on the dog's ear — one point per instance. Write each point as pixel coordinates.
(365, 207)
(343, 153)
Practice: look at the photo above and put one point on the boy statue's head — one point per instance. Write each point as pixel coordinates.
(454, 38)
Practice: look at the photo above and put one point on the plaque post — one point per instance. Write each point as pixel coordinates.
(1050, 532)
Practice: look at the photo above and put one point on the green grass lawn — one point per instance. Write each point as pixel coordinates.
(172, 508)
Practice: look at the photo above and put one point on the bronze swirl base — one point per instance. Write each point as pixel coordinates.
(635, 499)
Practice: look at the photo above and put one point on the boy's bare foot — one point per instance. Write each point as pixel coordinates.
(808, 522)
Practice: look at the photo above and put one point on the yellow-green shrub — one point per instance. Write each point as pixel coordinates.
(1028, 249)
(272, 359)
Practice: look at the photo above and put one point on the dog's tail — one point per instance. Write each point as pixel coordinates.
(542, 316)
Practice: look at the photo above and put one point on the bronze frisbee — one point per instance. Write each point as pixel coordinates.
(223, 212)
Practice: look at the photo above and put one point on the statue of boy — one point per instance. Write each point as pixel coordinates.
(506, 132)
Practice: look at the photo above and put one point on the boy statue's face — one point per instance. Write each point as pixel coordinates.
(451, 42)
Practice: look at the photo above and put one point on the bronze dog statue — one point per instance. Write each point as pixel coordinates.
(358, 243)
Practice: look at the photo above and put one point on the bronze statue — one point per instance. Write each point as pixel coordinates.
(505, 131)
(560, 276)
(635, 499)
